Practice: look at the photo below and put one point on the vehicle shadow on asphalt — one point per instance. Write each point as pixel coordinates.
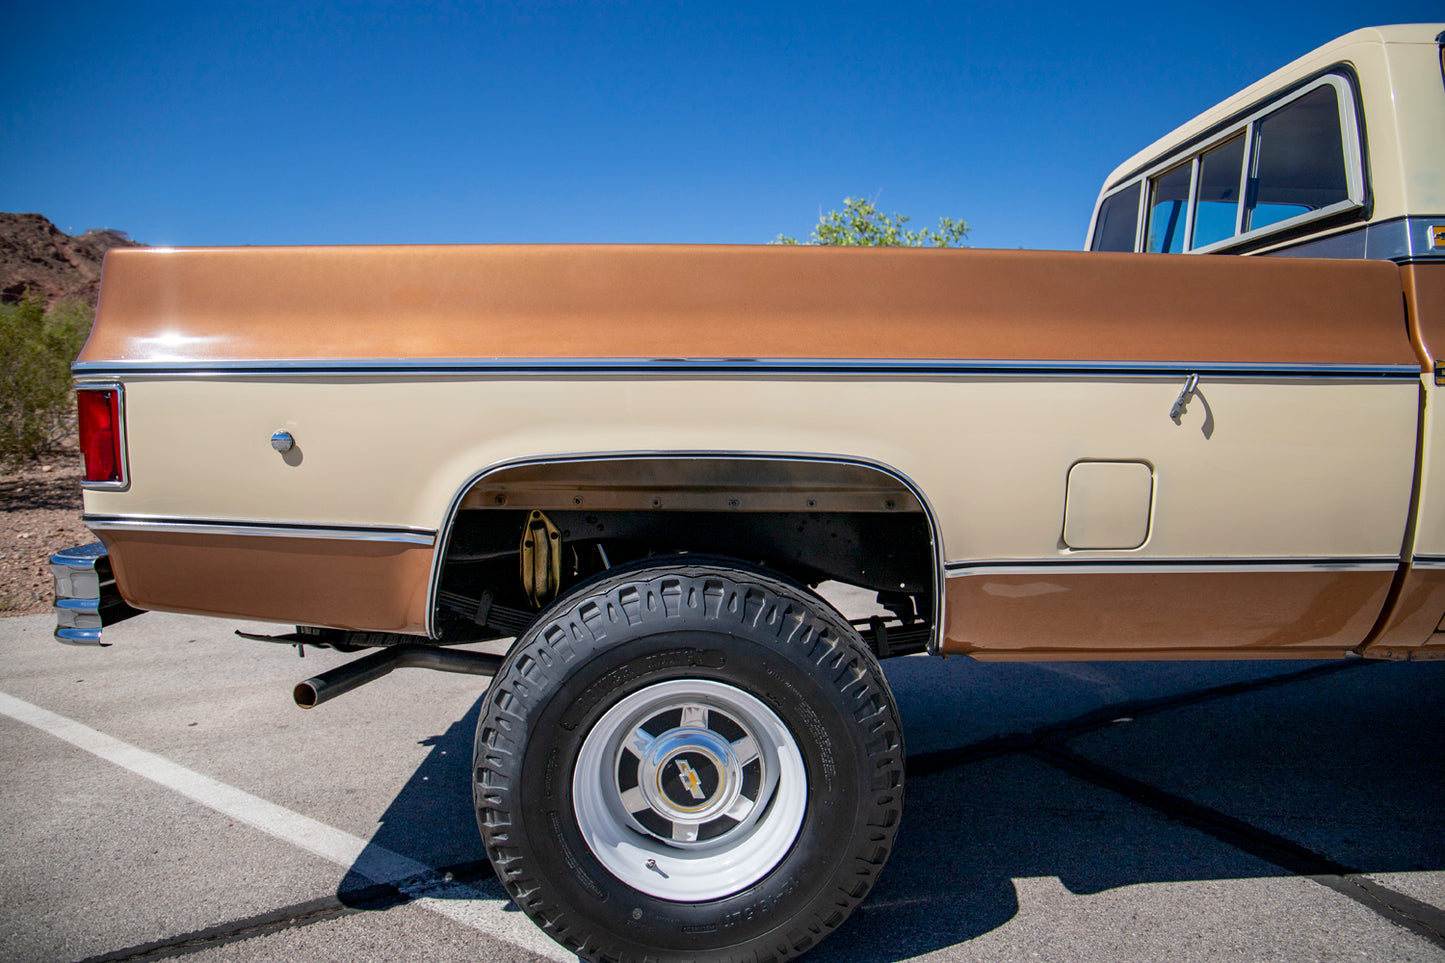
(431, 820)
(1339, 772)
(1341, 768)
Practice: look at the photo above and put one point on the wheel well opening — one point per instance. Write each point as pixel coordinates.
(526, 533)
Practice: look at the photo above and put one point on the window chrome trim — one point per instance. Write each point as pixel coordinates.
(204, 526)
(1398, 239)
(719, 367)
(935, 532)
(1141, 218)
(1245, 165)
(1196, 167)
(1153, 566)
(1278, 227)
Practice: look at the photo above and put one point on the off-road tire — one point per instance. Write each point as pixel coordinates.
(709, 648)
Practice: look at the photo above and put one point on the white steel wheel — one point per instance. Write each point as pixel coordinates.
(689, 790)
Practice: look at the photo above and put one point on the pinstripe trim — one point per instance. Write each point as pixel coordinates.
(736, 367)
(1132, 566)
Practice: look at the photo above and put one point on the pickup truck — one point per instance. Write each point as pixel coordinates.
(639, 463)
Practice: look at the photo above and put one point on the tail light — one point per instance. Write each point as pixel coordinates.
(102, 435)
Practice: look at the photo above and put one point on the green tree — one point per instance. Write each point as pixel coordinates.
(860, 224)
(37, 399)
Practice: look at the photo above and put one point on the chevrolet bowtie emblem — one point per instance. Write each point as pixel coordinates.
(690, 781)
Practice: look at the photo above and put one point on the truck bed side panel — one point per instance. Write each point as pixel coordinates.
(986, 377)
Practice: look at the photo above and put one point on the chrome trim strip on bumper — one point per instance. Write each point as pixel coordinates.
(201, 526)
(1429, 563)
(1151, 566)
(724, 367)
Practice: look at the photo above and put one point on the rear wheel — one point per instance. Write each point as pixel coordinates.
(689, 760)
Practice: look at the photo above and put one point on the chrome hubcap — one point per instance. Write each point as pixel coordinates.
(691, 782)
(689, 789)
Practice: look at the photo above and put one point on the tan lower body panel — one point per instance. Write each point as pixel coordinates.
(334, 583)
(1162, 615)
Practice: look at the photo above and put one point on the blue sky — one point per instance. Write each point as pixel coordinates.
(357, 123)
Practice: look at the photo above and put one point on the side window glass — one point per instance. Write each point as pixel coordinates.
(1299, 161)
(1168, 201)
(1286, 163)
(1118, 217)
(1218, 206)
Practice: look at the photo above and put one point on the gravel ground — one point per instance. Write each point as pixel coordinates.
(39, 516)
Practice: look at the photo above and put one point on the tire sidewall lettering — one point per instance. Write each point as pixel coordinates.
(776, 687)
(796, 669)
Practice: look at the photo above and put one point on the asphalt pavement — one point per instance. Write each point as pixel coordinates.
(164, 797)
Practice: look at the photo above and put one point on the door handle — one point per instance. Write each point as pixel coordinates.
(1185, 395)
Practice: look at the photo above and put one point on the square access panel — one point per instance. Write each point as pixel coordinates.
(1108, 504)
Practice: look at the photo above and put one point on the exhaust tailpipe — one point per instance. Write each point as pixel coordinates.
(333, 682)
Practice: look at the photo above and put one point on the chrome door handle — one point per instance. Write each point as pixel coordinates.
(1185, 394)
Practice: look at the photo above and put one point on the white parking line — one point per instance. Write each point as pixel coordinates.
(476, 905)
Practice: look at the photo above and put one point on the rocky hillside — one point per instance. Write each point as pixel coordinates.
(40, 497)
(36, 255)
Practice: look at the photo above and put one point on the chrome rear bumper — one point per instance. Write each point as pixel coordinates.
(86, 599)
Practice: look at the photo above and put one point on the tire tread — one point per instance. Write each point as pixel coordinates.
(585, 621)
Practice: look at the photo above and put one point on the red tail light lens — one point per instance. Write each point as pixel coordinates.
(100, 432)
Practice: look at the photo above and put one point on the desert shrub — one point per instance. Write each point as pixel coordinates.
(37, 403)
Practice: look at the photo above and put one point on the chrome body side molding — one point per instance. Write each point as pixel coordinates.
(724, 367)
(1130, 566)
(199, 526)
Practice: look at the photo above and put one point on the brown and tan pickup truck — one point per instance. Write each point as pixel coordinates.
(640, 461)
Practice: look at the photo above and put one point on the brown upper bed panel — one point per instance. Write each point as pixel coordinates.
(766, 302)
